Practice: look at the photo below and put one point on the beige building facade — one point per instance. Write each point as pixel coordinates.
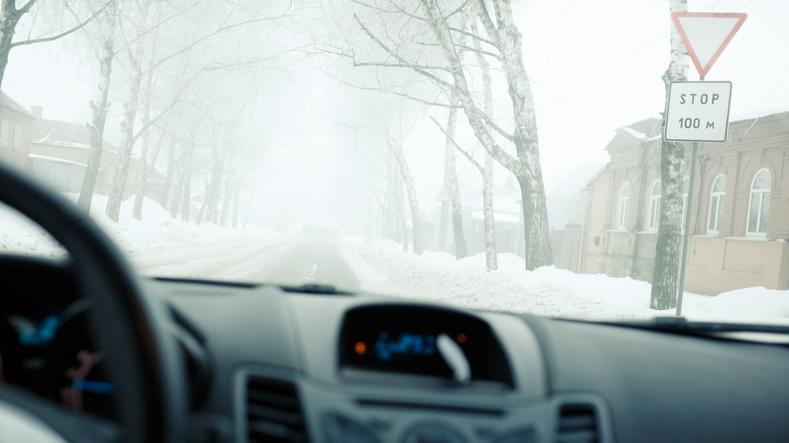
(739, 215)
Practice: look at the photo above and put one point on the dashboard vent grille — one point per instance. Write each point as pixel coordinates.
(273, 411)
(577, 424)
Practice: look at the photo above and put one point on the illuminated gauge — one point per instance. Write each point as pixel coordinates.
(433, 433)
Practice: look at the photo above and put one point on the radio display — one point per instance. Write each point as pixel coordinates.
(404, 339)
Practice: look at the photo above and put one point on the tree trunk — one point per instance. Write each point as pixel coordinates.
(142, 175)
(669, 246)
(99, 107)
(201, 212)
(526, 167)
(413, 202)
(442, 223)
(535, 216)
(452, 187)
(186, 193)
(489, 221)
(9, 17)
(127, 136)
(227, 199)
(168, 180)
(175, 203)
(236, 197)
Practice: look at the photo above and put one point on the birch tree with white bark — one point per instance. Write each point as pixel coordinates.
(517, 149)
(665, 272)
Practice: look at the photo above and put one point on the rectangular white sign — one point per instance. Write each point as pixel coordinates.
(698, 111)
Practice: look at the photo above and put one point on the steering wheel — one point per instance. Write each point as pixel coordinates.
(141, 359)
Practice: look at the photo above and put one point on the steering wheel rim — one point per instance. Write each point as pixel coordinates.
(141, 360)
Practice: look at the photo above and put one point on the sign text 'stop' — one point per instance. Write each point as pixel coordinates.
(698, 111)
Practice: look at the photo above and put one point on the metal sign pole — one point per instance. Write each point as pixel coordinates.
(686, 236)
(686, 222)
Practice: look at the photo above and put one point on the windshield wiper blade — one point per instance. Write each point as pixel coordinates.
(683, 325)
(314, 288)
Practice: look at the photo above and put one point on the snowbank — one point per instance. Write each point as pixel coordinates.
(384, 267)
(156, 231)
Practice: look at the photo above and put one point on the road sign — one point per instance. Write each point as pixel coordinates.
(706, 34)
(698, 111)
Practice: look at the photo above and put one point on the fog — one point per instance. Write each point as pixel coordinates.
(277, 98)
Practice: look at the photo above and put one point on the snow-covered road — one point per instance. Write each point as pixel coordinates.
(274, 259)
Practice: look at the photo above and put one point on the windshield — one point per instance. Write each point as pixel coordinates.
(505, 155)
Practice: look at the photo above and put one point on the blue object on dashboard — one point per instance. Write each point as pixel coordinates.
(44, 334)
(404, 344)
(96, 387)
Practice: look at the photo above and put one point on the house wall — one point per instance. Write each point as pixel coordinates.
(107, 168)
(14, 133)
(717, 262)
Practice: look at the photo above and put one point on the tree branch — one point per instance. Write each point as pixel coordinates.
(487, 22)
(473, 113)
(26, 7)
(62, 34)
(210, 35)
(399, 65)
(496, 127)
(465, 153)
(393, 92)
(399, 58)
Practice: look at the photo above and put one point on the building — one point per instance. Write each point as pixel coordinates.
(15, 123)
(59, 151)
(56, 152)
(739, 216)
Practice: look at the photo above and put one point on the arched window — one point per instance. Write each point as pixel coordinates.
(624, 201)
(717, 200)
(759, 203)
(654, 207)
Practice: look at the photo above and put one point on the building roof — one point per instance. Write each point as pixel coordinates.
(63, 134)
(8, 102)
(642, 130)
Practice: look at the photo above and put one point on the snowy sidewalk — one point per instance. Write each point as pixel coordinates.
(157, 232)
(384, 267)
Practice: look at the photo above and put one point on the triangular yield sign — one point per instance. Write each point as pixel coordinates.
(706, 34)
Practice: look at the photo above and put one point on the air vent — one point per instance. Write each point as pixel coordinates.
(577, 424)
(274, 411)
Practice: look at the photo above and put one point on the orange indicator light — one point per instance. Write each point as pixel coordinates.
(360, 348)
(461, 338)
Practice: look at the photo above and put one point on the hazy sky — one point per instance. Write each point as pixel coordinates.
(594, 66)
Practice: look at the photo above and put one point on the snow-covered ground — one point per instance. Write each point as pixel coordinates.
(384, 267)
(157, 231)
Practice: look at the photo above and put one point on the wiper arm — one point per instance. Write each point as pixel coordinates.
(683, 325)
(314, 288)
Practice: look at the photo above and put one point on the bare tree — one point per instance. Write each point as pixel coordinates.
(452, 187)
(669, 245)
(413, 202)
(99, 106)
(10, 17)
(502, 42)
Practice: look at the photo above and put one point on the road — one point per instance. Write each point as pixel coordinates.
(289, 261)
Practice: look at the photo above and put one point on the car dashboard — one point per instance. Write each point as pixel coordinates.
(272, 364)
